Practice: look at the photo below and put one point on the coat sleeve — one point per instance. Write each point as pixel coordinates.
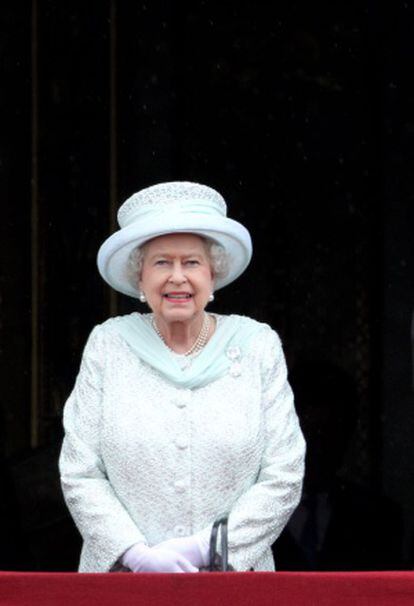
(260, 514)
(104, 523)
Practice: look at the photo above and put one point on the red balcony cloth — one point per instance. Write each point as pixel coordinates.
(208, 589)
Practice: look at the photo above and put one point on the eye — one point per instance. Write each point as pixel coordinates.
(192, 262)
(161, 262)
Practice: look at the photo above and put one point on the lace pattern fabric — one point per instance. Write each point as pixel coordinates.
(143, 460)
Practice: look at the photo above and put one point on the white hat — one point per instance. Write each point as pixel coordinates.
(174, 207)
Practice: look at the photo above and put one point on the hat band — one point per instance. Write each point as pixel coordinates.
(198, 207)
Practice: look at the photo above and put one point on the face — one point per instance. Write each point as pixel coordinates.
(176, 277)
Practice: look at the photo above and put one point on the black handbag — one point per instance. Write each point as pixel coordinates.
(219, 562)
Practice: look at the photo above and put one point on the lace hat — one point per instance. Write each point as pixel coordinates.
(166, 208)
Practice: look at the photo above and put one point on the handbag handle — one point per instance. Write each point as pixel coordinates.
(217, 563)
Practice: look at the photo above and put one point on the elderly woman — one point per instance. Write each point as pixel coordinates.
(179, 415)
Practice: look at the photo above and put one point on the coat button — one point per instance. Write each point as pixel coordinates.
(179, 531)
(180, 403)
(182, 444)
(180, 486)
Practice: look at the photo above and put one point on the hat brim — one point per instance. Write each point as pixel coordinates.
(113, 255)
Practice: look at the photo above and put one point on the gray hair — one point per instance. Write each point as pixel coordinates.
(219, 260)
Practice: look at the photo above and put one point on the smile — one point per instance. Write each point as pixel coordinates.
(181, 297)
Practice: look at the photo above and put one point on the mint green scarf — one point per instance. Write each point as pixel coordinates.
(233, 335)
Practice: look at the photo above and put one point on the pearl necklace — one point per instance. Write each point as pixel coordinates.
(198, 344)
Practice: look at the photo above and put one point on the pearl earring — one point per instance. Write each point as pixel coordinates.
(211, 297)
(142, 297)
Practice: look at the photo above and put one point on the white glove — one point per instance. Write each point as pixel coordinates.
(141, 558)
(194, 548)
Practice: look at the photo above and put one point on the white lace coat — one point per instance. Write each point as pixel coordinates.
(143, 460)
